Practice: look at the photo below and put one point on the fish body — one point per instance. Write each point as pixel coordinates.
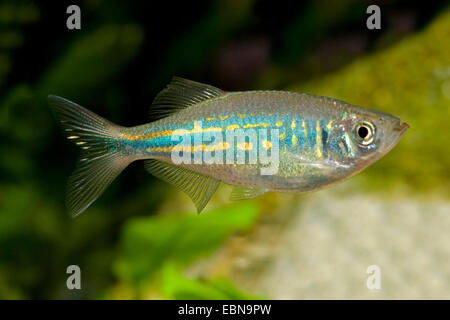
(307, 142)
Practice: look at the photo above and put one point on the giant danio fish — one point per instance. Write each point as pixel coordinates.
(307, 142)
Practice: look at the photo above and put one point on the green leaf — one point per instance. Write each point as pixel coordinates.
(148, 243)
(176, 286)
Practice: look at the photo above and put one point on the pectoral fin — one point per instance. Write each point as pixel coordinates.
(243, 193)
(198, 187)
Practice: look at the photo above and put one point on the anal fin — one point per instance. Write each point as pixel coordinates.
(198, 187)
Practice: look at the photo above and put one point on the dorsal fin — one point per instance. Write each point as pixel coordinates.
(179, 94)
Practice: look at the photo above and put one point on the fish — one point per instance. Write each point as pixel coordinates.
(280, 141)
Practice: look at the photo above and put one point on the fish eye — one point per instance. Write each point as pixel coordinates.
(365, 132)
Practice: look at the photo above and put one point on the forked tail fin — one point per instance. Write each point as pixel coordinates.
(100, 162)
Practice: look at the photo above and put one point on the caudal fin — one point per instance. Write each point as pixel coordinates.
(100, 161)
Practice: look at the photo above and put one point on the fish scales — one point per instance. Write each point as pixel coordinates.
(261, 109)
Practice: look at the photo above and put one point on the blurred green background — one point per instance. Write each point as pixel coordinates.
(142, 238)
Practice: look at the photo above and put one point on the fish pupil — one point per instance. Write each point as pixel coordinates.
(363, 132)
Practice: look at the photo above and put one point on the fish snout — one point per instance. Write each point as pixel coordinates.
(401, 127)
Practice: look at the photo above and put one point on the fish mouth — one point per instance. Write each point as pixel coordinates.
(401, 128)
